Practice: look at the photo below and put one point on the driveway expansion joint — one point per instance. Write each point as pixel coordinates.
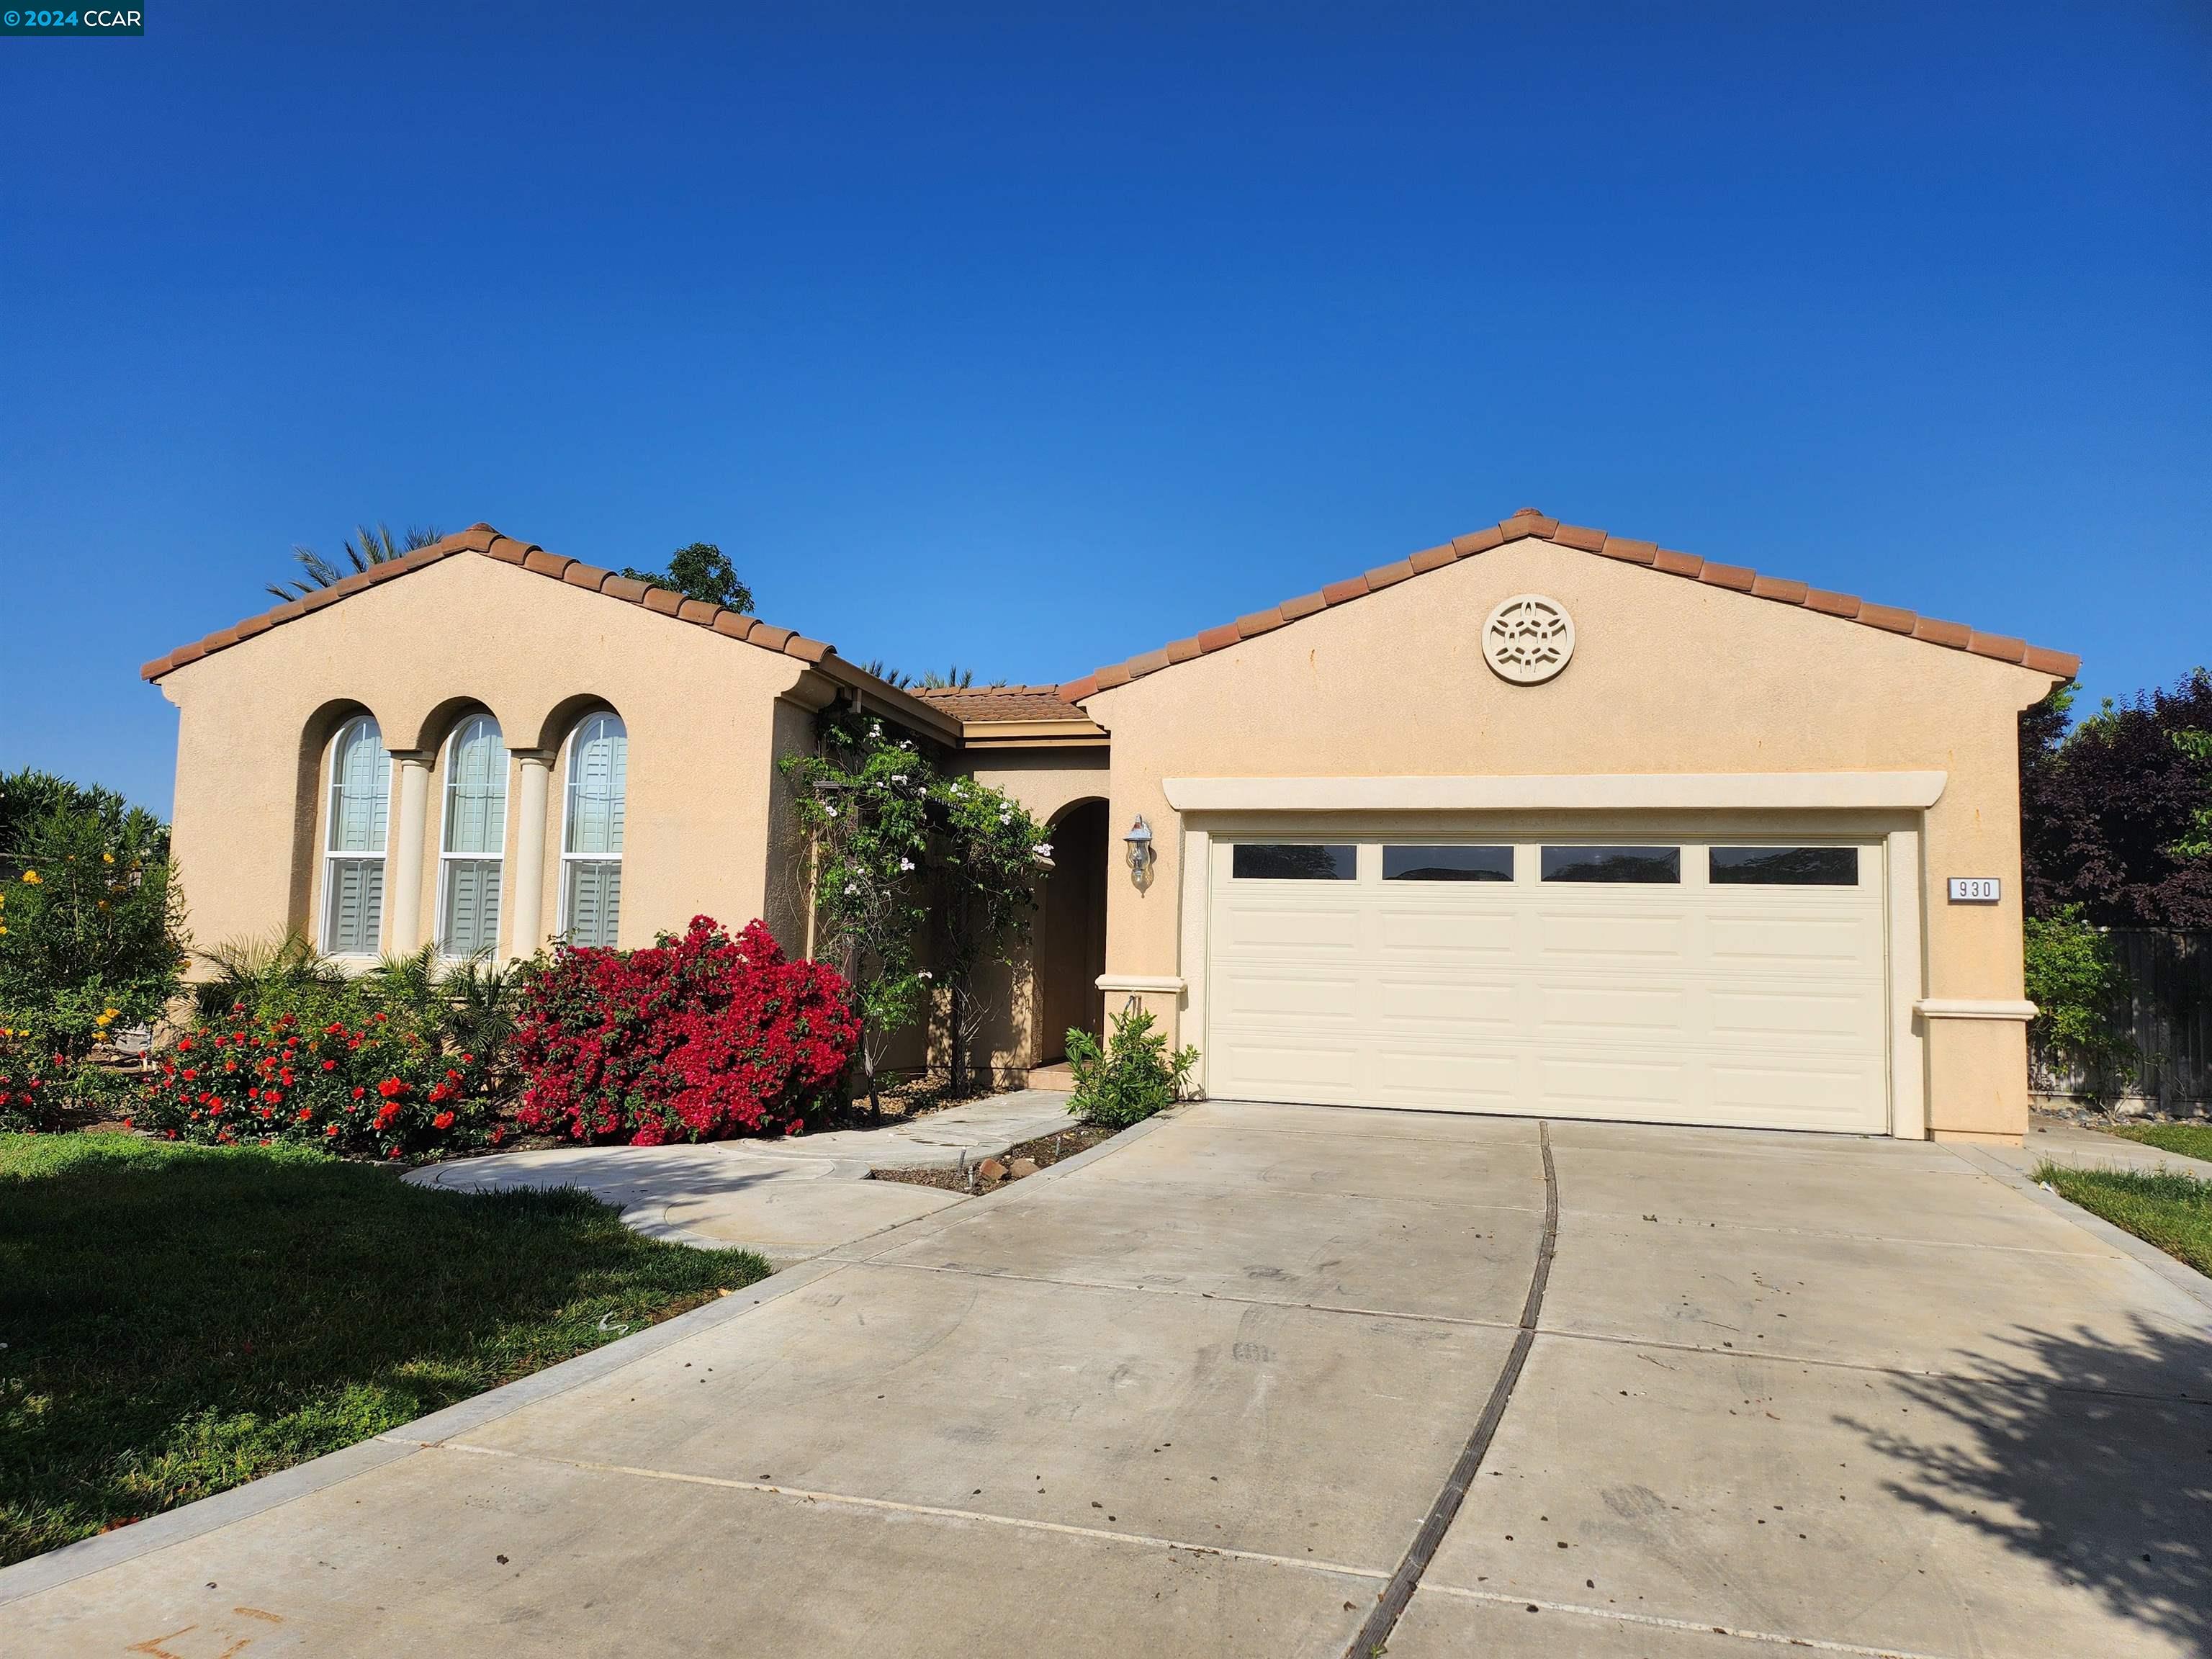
(1374, 1635)
(1654, 1621)
(932, 1511)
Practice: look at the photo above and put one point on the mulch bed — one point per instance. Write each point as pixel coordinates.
(1044, 1150)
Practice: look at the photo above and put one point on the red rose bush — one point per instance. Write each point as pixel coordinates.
(697, 1038)
(340, 1079)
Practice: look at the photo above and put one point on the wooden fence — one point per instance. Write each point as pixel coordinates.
(2168, 1020)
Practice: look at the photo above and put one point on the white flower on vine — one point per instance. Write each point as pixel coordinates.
(925, 974)
(851, 889)
(829, 811)
(898, 777)
(875, 729)
(1044, 849)
(906, 864)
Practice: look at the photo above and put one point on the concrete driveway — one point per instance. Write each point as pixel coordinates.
(1197, 1392)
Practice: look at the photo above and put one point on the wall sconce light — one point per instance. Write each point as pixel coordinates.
(1140, 840)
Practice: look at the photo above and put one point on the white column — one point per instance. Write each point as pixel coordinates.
(407, 854)
(527, 881)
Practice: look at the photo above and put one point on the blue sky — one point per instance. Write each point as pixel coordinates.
(1030, 338)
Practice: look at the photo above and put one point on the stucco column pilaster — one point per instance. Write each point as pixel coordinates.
(407, 854)
(527, 931)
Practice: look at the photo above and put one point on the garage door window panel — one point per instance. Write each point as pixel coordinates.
(1280, 860)
(1447, 864)
(1649, 865)
(1784, 866)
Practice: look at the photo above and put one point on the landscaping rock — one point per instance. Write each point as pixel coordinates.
(1022, 1166)
(990, 1170)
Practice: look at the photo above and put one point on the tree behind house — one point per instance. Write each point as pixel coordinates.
(700, 572)
(2115, 813)
(369, 547)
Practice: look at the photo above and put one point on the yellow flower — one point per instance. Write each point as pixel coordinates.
(107, 857)
(32, 878)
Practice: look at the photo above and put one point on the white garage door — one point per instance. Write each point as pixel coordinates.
(1665, 981)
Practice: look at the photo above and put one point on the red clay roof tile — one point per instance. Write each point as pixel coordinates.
(1529, 522)
(1632, 551)
(1957, 635)
(481, 538)
(999, 704)
(2002, 647)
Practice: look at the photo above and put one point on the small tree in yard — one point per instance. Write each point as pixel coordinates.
(864, 803)
(990, 851)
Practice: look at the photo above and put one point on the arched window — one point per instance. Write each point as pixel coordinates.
(359, 816)
(591, 834)
(475, 839)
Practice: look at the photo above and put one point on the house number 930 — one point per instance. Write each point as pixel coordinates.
(1975, 889)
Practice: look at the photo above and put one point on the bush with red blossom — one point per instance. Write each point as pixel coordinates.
(699, 1038)
(342, 1079)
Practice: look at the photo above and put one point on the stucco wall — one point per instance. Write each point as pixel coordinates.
(420, 654)
(1668, 676)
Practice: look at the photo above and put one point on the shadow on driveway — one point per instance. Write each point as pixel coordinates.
(2105, 1475)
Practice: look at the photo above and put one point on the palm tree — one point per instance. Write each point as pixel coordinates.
(368, 547)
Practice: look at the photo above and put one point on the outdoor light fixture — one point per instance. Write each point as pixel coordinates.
(1139, 839)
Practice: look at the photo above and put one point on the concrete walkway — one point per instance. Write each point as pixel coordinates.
(2087, 1149)
(790, 1200)
(1195, 1393)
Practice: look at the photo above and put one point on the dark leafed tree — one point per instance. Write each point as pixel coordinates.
(700, 572)
(368, 547)
(2114, 811)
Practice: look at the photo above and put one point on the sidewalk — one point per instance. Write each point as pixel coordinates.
(2086, 1149)
(789, 1199)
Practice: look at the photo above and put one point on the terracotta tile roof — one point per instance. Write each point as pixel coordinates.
(999, 703)
(1529, 522)
(481, 538)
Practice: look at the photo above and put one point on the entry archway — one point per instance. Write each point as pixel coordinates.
(1070, 947)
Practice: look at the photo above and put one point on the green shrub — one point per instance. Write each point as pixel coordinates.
(1133, 1077)
(91, 926)
(2075, 980)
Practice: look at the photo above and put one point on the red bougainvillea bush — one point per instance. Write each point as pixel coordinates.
(341, 1079)
(699, 1038)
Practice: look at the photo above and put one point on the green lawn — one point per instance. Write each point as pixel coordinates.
(2187, 1139)
(178, 1320)
(2166, 1208)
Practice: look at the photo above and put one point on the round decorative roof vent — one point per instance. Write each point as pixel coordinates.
(1527, 639)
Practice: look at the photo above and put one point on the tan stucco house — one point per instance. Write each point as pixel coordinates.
(1541, 820)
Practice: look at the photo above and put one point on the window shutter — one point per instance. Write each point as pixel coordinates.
(356, 906)
(472, 919)
(594, 902)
